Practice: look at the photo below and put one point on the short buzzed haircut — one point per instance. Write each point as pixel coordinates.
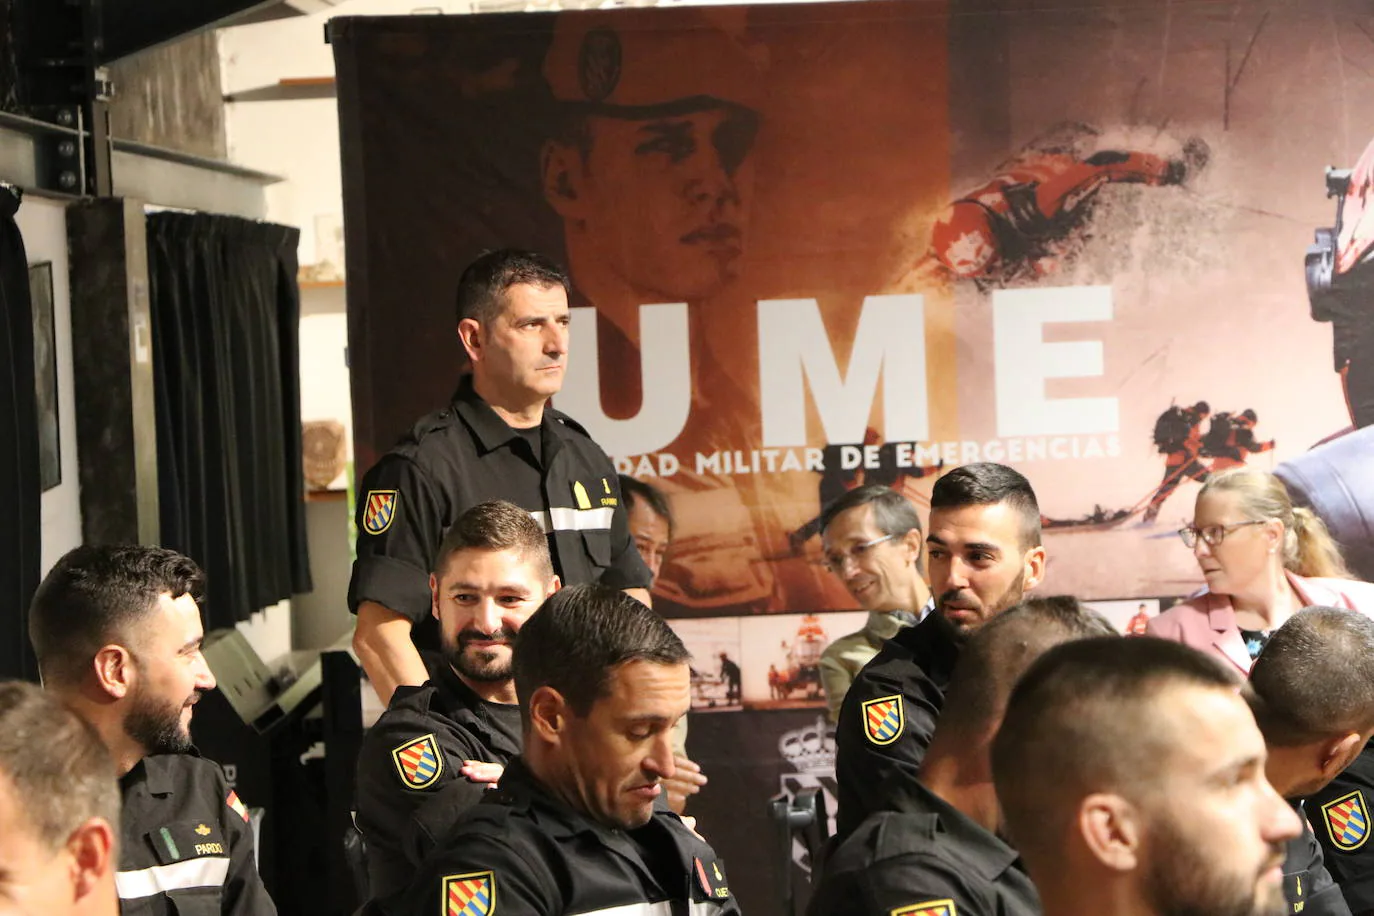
(53, 764)
(1081, 720)
(988, 484)
(1315, 678)
(496, 525)
(95, 596)
(635, 491)
(485, 282)
(998, 653)
(577, 639)
(893, 513)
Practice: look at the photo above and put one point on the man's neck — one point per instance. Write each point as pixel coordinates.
(961, 782)
(1285, 768)
(518, 412)
(490, 691)
(124, 750)
(918, 596)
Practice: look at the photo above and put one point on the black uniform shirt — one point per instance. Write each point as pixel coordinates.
(466, 454)
(1340, 817)
(1307, 885)
(888, 717)
(416, 749)
(524, 853)
(927, 858)
(185, 844)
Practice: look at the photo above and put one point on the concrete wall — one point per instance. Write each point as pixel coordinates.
(170, 96)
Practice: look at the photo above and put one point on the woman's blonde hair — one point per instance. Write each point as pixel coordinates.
(1308, 547)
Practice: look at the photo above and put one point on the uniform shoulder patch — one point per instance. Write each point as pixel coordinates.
(929, 908)
(883, 719)
(1347, 821)
(418, 762)
(238, 807)
(380, 510)
(469, 895)
(711, 879)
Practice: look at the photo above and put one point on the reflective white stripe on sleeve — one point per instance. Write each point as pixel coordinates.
(574, 519)
(662, 908)
(702, 909)
(209, 871)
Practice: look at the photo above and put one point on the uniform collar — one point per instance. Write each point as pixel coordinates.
(154, 772)
(491, 431)
(933, 646)
(988, 855)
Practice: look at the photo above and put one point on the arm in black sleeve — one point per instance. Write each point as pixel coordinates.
(395, 552)
(1307, 884)
(521, 882)
(244, 894)
(627, 569)
(899, 883)
(869, 768)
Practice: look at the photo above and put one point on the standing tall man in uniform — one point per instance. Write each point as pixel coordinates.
(1132, 781)
(498, 439)
(984, 552)
(117, 633)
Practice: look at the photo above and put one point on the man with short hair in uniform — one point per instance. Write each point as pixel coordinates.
(1312, 693)
(439, 746)
(498, 439)
(59, 809)
(575, 825)
(871, 541)
(938, 843)
(117, 633)
(984, 553)
(1132, 781)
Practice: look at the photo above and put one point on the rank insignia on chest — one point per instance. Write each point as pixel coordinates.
(580, 495)
(883, 719)
(379, 511)
(470, 895)
(1347, 821)
(418, 762)
(929, 908)
(711, 879)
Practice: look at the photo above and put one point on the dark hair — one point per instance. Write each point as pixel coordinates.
(633, 491)
(988, 484)
(1315, 678)
(1201, 407)
(483, 286)
(95, 595)
(55, 765)
(1081, 720)
(893, 513)
(580, 635)
(496, 525)
(999, 652)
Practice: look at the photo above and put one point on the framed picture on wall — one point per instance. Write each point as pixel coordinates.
(45, 374)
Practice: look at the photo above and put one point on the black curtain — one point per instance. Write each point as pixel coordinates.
(20, 486)
(226, 320)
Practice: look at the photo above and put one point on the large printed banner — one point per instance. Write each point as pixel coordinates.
(820, 245)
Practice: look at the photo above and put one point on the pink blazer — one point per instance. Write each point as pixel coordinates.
(1207, 622)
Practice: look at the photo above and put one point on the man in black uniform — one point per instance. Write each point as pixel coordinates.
(1312, 692)
(1131, 779)
(117, 633)
(937, 845)
(59, 810)
(983, 552)
(576, 825)
(491, 573)
(498, 439)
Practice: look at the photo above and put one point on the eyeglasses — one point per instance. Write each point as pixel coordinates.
(835, 560)
(1212, 534)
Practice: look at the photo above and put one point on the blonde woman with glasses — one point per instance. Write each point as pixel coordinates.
(1264, 560)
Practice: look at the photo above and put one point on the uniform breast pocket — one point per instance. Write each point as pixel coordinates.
(196, 901)
(598, 544)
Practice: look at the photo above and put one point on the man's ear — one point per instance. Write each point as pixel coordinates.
(1110, 828)
(1035, 568)
(434, 596)
(113, 666)
(91, 847)
(470, 336)
(1339, 753)
(561, 169)
(548, 714)
(554, 585)
(914, 541)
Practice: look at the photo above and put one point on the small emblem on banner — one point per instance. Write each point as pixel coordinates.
(418, 762)
(469, 895)
(1347, 821)
(883, 719)
(380, 510)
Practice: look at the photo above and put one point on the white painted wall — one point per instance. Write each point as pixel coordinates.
(43, 224)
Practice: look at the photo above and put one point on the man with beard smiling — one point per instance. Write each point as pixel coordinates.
(576, 825)
(117, 632)
(984, 553)
(439, 746)
(1132, 781)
